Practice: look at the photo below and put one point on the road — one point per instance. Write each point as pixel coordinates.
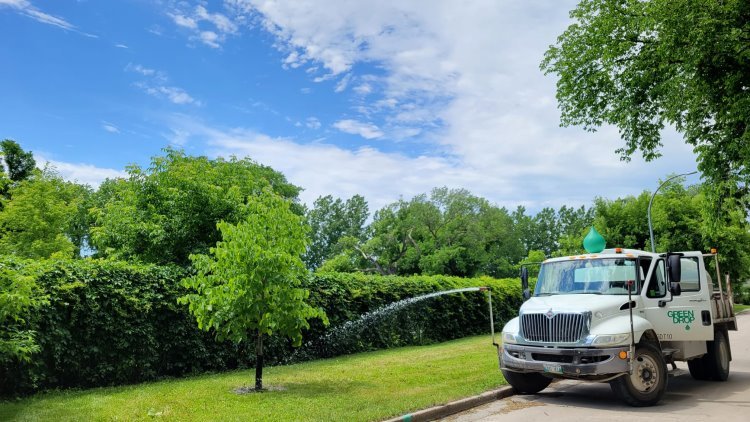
(685, 400)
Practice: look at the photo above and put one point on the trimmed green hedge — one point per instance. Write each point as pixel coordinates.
(110, 323)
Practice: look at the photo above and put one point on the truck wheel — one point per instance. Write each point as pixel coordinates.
(526, 383)
(717, 358)
(648, 382)
(697, 368)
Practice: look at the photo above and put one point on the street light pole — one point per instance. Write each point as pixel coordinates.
(651, 227)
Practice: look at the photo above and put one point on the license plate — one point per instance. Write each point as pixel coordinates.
(553, 369)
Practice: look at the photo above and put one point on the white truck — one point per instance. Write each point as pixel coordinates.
(619, 316)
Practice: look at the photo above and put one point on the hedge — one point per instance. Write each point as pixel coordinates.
(110, 323)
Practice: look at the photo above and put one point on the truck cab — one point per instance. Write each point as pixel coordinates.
(620, 316)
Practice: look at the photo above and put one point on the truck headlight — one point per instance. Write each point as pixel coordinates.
(509, 338)
(609, 339)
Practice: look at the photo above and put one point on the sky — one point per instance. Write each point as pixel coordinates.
(384, 99)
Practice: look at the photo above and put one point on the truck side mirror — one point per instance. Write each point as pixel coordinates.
(675, 288)
(525, 283)
(674, 267)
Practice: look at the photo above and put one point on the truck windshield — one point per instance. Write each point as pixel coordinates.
(607, 276)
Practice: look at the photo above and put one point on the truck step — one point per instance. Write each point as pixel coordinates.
(666, 352)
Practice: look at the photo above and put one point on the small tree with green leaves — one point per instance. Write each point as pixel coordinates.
(249, 284)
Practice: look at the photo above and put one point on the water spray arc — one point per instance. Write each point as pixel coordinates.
(326, 345)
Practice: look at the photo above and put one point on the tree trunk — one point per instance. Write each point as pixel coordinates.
(259, 362)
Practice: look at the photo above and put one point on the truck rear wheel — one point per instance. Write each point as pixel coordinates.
(648, 382)
(717, 358)
(698, 368)
(526, 383)
(714, 365)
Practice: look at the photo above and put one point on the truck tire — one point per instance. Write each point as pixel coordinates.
(697, 368)
(647, 384)
(526, 383)
(717, 359)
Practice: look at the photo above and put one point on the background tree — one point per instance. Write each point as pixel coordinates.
(451, 232)
(644, 65)
(539, 232)
(331, 221)
(553, 232)
(573, 225)
(44, 217)
(681, 222)
(4, 183)
(249, 285)
(532, 262)
(20, 164)
(165, 213)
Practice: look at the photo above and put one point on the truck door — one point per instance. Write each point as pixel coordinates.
(683, 318)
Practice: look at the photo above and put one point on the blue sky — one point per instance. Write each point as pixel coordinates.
(386, 99)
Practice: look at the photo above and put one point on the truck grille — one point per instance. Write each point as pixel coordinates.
(559, 328)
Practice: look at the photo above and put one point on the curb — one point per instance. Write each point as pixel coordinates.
(457, 406)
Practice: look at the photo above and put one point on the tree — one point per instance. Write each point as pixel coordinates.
(20, 163)
(249, 285)
(331, 221)
(170, 210)
(645, 65)
(551, 232)
(4, 183)
(451, 232)
(682, 221)
(532, 262)
(573, 223)
(18, 296)
(539, 232)
(44, 217)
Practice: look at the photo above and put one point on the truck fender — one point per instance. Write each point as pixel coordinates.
(621, 324)
(512, 326)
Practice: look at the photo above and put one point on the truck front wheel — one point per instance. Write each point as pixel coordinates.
(648, 382)
(526, 383)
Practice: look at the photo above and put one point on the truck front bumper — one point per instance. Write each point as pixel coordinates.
(574, 362)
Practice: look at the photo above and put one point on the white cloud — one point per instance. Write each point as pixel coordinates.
(354, 127)
(343, 83)
(178, 137)
(312, 123)
(109, 127)
(87, 174)
(184, 21)
(24, 7)
(140, 69)
(457, 81)
(363, 89)
(222, 23)
(464, 77)
(122, 46)
(173, 94)
(156, 85)
(209, 28)
(210, 38)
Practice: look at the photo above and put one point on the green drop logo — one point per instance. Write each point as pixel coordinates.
(594, 242)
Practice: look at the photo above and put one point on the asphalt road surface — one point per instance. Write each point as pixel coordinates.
(685, 400)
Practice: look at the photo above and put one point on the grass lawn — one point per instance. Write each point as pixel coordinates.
(367, 386)
(740, 308)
